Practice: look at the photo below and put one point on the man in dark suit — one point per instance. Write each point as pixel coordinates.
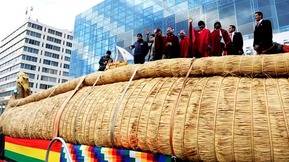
(262, 34)
(141, 49)
(236, 46)
(104, 60)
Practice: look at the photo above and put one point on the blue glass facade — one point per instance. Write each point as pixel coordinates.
(116, 22)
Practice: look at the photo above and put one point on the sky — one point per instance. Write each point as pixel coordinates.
(56, 13)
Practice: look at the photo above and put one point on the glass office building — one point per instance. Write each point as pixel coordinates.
(116, 22)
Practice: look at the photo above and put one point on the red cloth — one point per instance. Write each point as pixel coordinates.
(34, 143)
(219, 49)
(202, 41)
(184, 45)
(193, 39)
(285, 48)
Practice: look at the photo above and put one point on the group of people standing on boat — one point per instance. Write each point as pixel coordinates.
(202, 42)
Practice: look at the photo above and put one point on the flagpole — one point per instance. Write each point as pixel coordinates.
(26, 13)
(30, 13)
(117, 53)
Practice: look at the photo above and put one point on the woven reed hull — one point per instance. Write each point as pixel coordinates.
(216, 118)
(248, 66)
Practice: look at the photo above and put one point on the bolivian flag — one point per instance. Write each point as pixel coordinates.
(30, 150)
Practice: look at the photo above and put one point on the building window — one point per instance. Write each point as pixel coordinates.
(55, 40)
(52, 55)
(58, 33)
(29, 58)
(31, 76)
(10, 69)
(10, 62)
(66, 66)
(48, 62)
(31, 41)
(48, 70)
(65, 73)
(34, 34)
(35, 26)
(30, 50)
(48, 79)
(49, 46)
(9, 93)
(51, 31)
(8, 85)
(28, 66)
(44, 86)
(64, 80)
(67, 58)
(8, 77)
(68, 51)
(69, 44)
(31, 84)
(69, 37)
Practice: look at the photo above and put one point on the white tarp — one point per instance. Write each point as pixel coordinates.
(122, 54)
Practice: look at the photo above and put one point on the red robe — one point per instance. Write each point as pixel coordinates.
(184, 47)
(202, 42)
(219, 48)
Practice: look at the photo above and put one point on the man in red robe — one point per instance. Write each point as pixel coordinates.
(184, 44)
(202, 41)
(220, 40)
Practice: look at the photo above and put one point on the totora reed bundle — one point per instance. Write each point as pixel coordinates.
(233, 108)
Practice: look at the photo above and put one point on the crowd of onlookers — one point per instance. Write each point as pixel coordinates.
(200, 43)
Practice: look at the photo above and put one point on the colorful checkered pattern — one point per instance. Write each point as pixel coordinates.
(82, 153)
(33, 150)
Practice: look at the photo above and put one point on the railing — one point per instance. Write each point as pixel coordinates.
(64, 145)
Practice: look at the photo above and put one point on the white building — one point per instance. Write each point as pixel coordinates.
(41, 51)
